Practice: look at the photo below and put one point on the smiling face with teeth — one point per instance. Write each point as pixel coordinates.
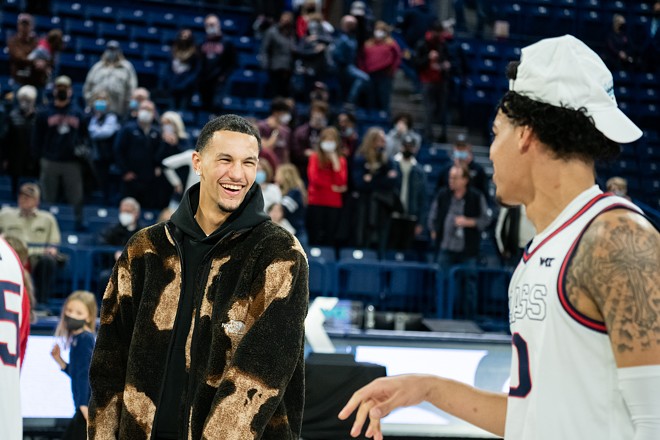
(228, 168)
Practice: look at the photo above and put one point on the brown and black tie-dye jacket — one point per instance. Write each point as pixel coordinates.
(244, 352)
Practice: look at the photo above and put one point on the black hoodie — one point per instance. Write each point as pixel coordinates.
(194, 250)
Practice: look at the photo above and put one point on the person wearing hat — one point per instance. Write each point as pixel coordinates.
(114, 73)
(39, 229)
(59, 132)
(414, 196)
(18, 160)
(585, 298)
(461, 155)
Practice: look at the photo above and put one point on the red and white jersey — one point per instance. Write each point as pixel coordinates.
(563, 372)
(14, 328)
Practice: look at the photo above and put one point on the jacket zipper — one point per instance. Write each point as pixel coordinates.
(207, 271)
(171, 343)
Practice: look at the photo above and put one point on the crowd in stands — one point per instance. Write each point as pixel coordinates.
(327, 177)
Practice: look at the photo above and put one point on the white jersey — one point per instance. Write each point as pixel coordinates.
(563, 372)
(13, 323)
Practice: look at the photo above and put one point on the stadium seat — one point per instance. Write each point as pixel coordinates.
(100, 13)
(353, 254)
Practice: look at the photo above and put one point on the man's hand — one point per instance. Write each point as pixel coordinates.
(465, 222)
(129, 176)
(381, 397)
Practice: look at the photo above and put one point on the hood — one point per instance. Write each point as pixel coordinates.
(248, 215)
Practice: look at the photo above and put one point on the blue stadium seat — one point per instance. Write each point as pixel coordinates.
(233, 104)
(353, 254)
(248, 61)
(247, 83)
(245, 44)
(325, 252)
(132, 16)
(156, 52)
(43, 24)
(410, 287)
(150, 34)
(113, 31)
(75, 65)
(91, 46)
(163, 19)
(592, 26)
(68, 9)
(360, 280)
(259, 107)
(79, 27)
(100, 13)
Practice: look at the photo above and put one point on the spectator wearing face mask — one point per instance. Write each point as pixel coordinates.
(347, 123)
(118, 235)
(462, 157)
(17, 158)
(314, 59)
(218, 60)
(140, 94)
(413, 193)
(276, 134)
(138, 154)
(181, 81)
(103, 127)
(116, 75)
(176, 141)
(276, 54)
(377, 181)
(619, 53)
(618, 186)
(59, 130)
(402, 129)
(269, 189)
(380, 58)
(306, 137)
(327, 174)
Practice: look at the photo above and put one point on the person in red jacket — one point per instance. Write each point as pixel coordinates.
(327, 173)
(380, 58)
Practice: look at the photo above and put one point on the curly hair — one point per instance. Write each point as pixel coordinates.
(570, 134)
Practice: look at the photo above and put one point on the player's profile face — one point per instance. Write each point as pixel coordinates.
(505, 156)
(228, 167)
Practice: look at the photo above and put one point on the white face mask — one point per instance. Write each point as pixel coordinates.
(285, 118)
(126, 219)
(379, 34)
(328, 146)
(145, 116)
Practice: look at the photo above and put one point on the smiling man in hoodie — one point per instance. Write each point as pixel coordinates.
(202, 321)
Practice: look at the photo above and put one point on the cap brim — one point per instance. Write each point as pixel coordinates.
(616, 126)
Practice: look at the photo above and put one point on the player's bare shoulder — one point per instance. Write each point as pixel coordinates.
(617, 266)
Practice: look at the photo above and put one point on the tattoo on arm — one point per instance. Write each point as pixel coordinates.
(617, 265)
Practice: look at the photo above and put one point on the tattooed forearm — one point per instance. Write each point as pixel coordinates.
(617, 266)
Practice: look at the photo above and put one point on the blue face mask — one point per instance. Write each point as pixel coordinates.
(461, 155)
(100, 105)
(133, 104)
(261, 177)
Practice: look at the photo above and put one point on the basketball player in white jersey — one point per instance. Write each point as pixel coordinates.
(584, 301)
(14, 329)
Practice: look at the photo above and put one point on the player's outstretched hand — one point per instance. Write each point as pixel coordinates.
(377, 399)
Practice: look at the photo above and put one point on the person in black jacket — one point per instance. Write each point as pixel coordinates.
(59, 132)
(218, 59)
(456, 218)
(17, 159)
(462, 157)
(202, 324)
(138, 154)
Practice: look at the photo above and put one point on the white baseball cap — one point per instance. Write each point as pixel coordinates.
(565, 72)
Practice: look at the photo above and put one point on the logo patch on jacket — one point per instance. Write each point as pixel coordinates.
(234, 327)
